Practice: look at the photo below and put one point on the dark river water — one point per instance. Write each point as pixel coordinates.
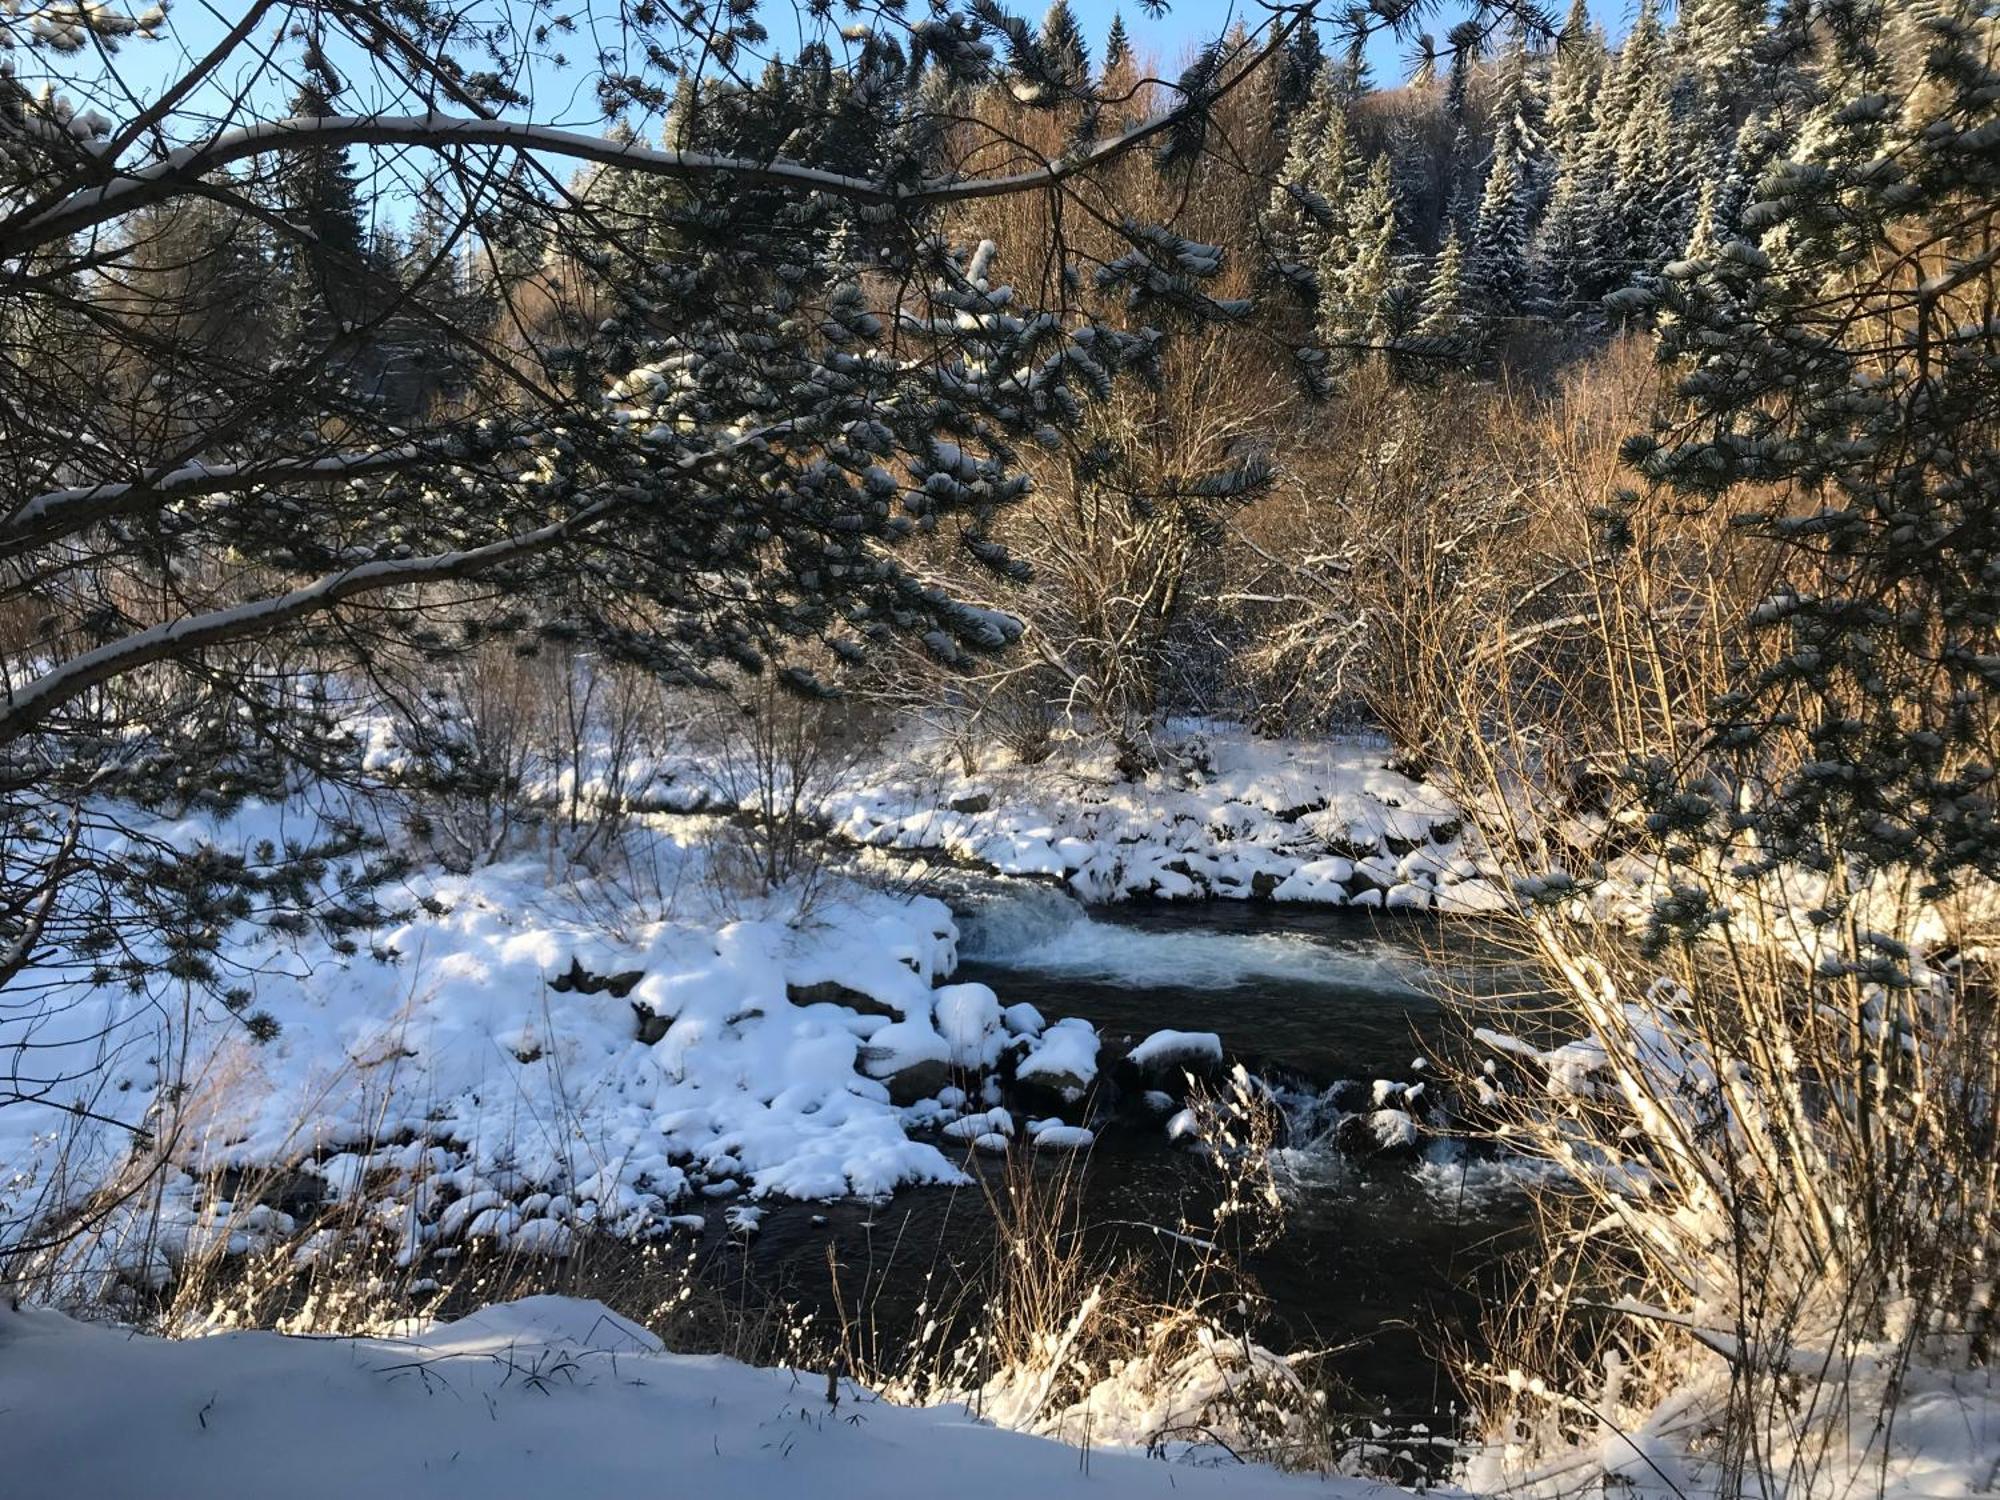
(1383, 1263)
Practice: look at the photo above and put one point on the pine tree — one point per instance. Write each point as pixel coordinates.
(1567, 240)
(1442, 314)
(1575, 76)
(629, 208)
(1456, 172)
(1355, 81)
(1520, 114)
(1310, 208)
(1717, 41)
(1867, 405)
(1298, 73)
(1411, 169)
(1497, 268)
(1117, 46)
(322, 268)
(1358, 271)
(1063, 47)
(1465, 42)
(1648, 192)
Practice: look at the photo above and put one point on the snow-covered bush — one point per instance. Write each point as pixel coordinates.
(1777, 1220)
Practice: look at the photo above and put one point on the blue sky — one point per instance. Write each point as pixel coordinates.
(1168, 39)
(564, 96)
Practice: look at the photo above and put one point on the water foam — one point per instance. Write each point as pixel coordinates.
(1046, 931)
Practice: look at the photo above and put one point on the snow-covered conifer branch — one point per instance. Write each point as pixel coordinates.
(56, 512)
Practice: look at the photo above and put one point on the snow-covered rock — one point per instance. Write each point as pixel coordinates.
(910, 1058)
(968, 1016)
(972, 1127)
(1323, 822)
(1059, 1135)
(1063, 1061)
(1378, 1134)
(1168, 1050)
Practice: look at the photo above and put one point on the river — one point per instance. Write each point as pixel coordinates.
(1385, 1263)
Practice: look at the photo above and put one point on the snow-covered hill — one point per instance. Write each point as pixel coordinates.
(546, 1396)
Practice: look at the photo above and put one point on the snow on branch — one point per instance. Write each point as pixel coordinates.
(57, 511)
(38, 699)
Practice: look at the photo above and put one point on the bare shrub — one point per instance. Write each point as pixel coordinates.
(1400, 574)
(1060, 1332)
(776, 754)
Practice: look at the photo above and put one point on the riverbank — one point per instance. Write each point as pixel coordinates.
(518, 1060)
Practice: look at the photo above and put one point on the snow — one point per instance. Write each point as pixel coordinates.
(444, 1035)
(1393, 1129)
(969, 1017)
(1246, 817)
(904, 1044)
(1023, 1020)
(544, 1396)
(1164, 1048)
(1059, 1135)
(976, 1127)
(1064, 1058)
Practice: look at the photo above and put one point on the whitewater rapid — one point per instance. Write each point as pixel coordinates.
(1047, 931)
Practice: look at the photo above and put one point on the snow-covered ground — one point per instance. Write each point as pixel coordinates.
(528, 1048)
(546, 1396)
(521, 1053)
(1236, 817)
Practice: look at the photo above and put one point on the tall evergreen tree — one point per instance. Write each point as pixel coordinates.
(1442, 314)
(1498, 264)
(1308, 217)
(1358, 271)
(1717, 42)
(1571, 229)
(1649, 191)
(1575, 75)
(1117, 45)
(1457, 172)
(1299, 68)
(1864, 723)
(1519, 117)
(1064, 48)
(322, 267)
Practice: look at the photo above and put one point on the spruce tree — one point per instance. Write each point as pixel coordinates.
(1307, 220)
(1457, 172)
(1497, 267)
(1117, 46)
(1717, 41)
(1575, 75)
(1567, 241)
(1063, 47)
(1443, 313)
(322, 268)
(1298, 72)
(1649, 197)
(1358, 272)
(1511, 201)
